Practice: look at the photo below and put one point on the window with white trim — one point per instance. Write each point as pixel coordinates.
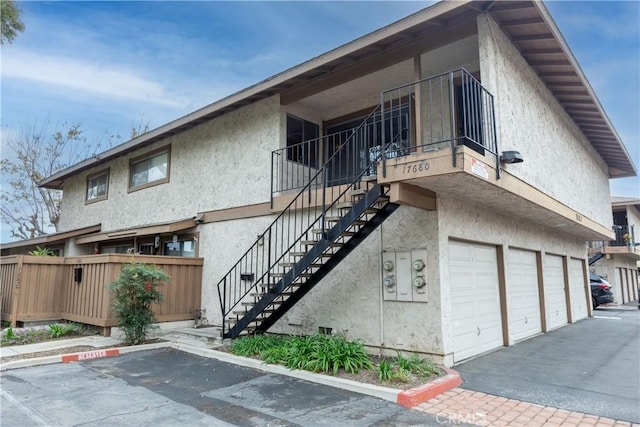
(150, 170)
(97, 186)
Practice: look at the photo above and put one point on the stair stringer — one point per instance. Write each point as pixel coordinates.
(276, 289)
(338, 257)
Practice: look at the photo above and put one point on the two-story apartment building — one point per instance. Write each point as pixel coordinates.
(618, 260)
(428, 187)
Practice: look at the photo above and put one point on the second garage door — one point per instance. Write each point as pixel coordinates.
(475, 299)
(554, 292)
(576, 289)
(522, 290)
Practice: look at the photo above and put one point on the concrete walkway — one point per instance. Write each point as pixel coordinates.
(454, 407)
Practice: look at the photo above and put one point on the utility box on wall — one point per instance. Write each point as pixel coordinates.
(404, 275)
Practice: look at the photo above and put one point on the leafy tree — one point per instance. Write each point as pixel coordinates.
(134, 292)
(10, 21)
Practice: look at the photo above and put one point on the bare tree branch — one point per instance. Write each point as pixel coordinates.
(31, 211)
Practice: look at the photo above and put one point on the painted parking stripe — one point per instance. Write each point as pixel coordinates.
(607, 317)
(88, 355)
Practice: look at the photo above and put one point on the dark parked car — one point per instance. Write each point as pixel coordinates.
(600, 290)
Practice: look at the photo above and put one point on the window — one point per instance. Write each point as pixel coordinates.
(186, 248)
(150, 170)
(97, 186)
(298, 131)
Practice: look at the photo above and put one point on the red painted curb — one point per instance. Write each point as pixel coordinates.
(412, 397)
(88, 355)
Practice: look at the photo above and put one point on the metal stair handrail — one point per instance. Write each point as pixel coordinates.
(268, 261)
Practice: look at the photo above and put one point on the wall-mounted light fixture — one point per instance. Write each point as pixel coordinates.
(510, 157)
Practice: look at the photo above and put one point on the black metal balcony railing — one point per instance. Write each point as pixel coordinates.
(454, 110)
(295, 165)
(625, 235)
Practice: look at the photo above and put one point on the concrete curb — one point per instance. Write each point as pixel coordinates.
(415, 396)
(384, 393)
(73, 357)
(406, 398)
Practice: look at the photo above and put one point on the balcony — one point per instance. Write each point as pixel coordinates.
(439, 136)
(625, 244)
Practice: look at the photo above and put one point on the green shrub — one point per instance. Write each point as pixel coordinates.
(38, 251)
(56, 331)
(253, 345)
(9, 334)
(134, 292)
(318, 353)
(416, 365)
(385, 371)
(36, 335)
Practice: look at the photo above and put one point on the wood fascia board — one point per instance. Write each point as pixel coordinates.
(239, 212)
(280, 203)
(411, 195)
(557, 35)
(440, 164)
(53, 238)
(516, 186)
(140, 231)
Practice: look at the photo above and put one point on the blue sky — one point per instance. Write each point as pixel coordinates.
(112, 65)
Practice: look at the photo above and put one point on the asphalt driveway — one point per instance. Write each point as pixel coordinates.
(592, 366)
(167, 387)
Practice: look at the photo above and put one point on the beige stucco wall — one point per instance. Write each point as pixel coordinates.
(222, 163)
(558, 160)
(349, 300)
(221, 245)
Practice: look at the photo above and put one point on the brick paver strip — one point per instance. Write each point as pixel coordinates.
(482, 409)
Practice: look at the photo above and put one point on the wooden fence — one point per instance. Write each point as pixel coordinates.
(36, 288)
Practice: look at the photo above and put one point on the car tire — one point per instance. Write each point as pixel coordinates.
(595, 302)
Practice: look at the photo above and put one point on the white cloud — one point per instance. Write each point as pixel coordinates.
(111, 81)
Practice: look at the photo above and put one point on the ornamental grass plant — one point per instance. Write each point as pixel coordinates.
(332, 355)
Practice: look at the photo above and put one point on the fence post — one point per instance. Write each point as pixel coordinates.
(17, 282)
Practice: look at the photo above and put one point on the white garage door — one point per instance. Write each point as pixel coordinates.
(576, 289)
(625, 288)
(475, 299)
(554, 292)
(523, 296)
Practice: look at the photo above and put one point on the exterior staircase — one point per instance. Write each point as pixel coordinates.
(312, 235)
